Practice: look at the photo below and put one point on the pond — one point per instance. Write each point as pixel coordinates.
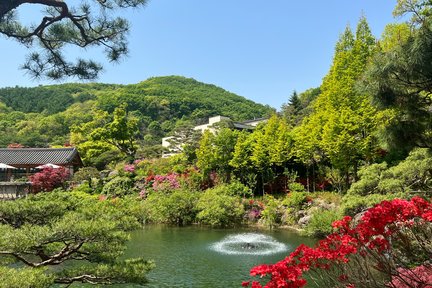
(202, 257)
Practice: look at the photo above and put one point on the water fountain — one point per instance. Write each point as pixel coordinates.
(249, 244)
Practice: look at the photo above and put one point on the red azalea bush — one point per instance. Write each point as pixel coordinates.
(49, 179)
(390, 246)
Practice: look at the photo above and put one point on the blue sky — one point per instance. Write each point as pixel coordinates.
(262, 50)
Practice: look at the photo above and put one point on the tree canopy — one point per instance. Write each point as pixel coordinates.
(89, 24)
(400, 80)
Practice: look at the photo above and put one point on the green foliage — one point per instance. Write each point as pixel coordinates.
(328, 197)
(342, 125)
(258, 155)
(78, 24)
(217, 209)
(299, 106)
(216, 151)
(369, 179)
(177, 207)
(407, 96)
(86, 174)
(46, 115)
(73, 227)
(296, 187)
(235, 188)
(271, 215)
(159, 166)
(24, 278)
(354, 204)
(295, 200)
(413, 174)
(118, 186)
(121, 132)
(320, 223)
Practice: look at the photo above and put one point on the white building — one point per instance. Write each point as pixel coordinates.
(246, 125)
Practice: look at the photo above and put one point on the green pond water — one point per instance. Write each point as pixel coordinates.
(202, 257)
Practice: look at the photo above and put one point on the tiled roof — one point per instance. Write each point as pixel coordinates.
(37, 156)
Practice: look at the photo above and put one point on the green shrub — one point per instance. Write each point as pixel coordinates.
(86, 174)
(354, 204)
(329, 197)
(235, 188)
(296, 187)
(178, 207)
(414, 174)
(320, 223)
(218, 209)
(118, 186)
(132, 206)
(296, 200)
(272, 214)
(369, 179)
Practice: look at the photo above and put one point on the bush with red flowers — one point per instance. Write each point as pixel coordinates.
(389, 246)
(48, 179)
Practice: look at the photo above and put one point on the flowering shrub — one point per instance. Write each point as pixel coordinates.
(168, 182)
(253, 209)
(48, 179)
(405, 278)
(129, 168)
(163, 182)
(378, 251)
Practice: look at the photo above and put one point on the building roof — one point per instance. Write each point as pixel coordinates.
(255, 120)
(242, 126)
(39, 156)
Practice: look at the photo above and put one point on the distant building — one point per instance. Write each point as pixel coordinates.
(27, 159)
(245, 125)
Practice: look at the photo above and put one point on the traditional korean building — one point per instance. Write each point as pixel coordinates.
(25, 160)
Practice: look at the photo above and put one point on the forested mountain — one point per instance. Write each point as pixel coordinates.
(45, 115)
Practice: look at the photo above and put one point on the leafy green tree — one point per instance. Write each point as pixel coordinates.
(205, 157)
(400, 81)
(216, 151)
(91, 24)
(121, 132)
(394, 35)
(262, 152)
(242, 162)
(43, 235)
(299, 106)
(343, 125)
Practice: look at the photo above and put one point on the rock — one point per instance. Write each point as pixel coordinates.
(304, 220)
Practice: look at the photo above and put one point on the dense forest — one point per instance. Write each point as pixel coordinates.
(45, 116)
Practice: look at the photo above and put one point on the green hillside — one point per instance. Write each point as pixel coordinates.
(44, 116)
